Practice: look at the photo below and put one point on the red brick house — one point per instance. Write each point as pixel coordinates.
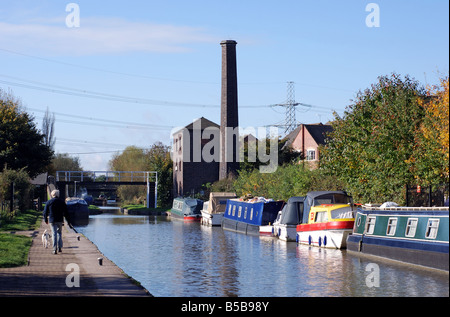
(306, 138)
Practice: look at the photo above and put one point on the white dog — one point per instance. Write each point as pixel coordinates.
(46, 239)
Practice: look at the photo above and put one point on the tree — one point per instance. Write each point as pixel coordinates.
(15, 183)
(48, 129)
(21, 144)
(64, 162)
(431, 151)
(372, 145)
(159, 161)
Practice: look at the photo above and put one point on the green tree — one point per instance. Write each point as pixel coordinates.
(21, 144)
(64, 162)
(20, 189)
(371, 146)
(159, 161)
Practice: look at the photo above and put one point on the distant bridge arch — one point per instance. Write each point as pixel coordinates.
(111, 178)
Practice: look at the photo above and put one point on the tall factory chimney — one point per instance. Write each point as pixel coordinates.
(229, 131)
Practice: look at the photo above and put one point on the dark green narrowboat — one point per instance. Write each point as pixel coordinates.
(415, 235)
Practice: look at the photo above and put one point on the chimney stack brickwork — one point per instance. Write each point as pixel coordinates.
(229, 111)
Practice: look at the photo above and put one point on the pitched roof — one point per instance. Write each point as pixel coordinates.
(318, 132)
(204, 123)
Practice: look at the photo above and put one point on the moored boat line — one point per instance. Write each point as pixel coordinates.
(329, 219)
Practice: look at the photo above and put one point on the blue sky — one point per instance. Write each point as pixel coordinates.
(134, 70)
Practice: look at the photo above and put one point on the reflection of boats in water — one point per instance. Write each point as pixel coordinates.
(78, 210)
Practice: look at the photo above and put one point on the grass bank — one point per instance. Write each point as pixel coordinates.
(14, 248)
(142, 210)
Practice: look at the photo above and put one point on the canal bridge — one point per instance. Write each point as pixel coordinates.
(109, 181)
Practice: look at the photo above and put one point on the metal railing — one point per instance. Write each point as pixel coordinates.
(106, 176)
(112, 176)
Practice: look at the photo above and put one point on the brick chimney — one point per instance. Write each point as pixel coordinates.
(229, 141)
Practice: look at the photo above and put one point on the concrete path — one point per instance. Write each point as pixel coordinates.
(47, 273)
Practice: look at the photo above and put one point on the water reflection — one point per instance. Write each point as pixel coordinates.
(173, 258)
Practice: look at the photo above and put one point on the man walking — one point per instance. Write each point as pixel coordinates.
(54, 212)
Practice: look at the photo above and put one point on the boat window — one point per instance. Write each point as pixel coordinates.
(234, 210)
(411, 227)
(229, 210)
(342, 213)
(332, 199)
(358, 222)
(251, 214)
(391, 227)
(370, 226)
(321, 216)
(432, 228)
(245, 212)
(239, 211)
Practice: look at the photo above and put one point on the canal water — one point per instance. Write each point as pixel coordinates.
(173, 258)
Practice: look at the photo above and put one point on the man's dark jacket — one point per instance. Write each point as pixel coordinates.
(55, 210)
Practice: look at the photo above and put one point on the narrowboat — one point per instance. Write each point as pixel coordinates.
(248, 216)
(187, 209)
(78, 210)
(213, 210)
(297, 209)
(328, 226)
(415, 235)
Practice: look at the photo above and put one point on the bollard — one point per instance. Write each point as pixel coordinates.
(78, 238)
(100, 261)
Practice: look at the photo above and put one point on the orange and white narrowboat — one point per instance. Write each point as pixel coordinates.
(328, 226)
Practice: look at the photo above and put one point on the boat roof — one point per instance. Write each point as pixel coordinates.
(437, 211)
(315, 194)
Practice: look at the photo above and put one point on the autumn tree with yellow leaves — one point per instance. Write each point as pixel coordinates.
(431, 155)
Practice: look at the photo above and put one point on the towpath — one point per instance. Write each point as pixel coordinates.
(46, 273)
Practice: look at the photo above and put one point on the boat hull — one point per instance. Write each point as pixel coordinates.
(285, 232)
(432, 255)
(78, 211)
(211, 219)
(267, 231)
(186, 218)
(326, 235)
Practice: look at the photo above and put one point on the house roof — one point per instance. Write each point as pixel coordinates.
(317, 131)
(41, 179)
(204, 123)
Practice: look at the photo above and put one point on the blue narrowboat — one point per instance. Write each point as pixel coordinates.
(248, 216)
(415, 235)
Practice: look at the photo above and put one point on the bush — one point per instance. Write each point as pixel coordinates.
(22, 186)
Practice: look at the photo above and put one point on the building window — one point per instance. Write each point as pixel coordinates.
(370, 226)
(311, 155)
(391, 227)
(432, 228)
(411, 227)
